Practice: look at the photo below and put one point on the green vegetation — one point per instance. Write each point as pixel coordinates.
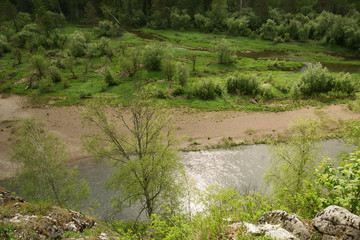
(147, 163)
(45, 176)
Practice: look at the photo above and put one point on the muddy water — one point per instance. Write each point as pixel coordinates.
(241, 168)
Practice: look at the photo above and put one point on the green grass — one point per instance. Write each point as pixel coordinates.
(277, 72)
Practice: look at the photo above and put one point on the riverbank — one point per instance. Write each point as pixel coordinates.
(202, 129)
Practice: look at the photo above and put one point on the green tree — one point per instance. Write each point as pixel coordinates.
(342, 183)
(39, 64)
(90, 14)
(168, 67)
(45, 175)
(293, 162)
(224, 52)
(219, 11)
(143, 154)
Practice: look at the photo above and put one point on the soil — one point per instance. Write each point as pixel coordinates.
(200, 128)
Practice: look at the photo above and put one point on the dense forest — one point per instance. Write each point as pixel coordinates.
(333, 22)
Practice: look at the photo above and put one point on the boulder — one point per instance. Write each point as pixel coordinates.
(268, 230)
(336, 222)
(291, 222)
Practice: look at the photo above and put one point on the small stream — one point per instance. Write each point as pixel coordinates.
(241, 168)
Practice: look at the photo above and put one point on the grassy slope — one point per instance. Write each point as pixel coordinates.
(92, 83)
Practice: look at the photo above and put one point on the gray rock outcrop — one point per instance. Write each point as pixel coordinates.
(291, 222)
(336, 223)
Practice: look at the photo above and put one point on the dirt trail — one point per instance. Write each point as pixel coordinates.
(205, 128)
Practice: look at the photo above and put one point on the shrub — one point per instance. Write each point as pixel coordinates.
(344, 83)
(4, 45)
(224, 52)
(130, 63)
(39, 64)
(179, 20)
(207, 89)
(54, 74)
(107, 28)
(109, 78)
(104, 47)
(182, 74)
(238, 26)
(269, 30)
(77, 44)
(204, 23)
(315, 80)
(168, 67)
(244, 84)
(153, 55)
(45, 85)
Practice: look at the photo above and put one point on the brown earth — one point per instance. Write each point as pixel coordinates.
(204, 128)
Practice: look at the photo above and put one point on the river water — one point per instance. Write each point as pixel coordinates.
(241, 168)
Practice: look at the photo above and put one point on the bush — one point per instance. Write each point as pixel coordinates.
(107, 29)
(317, 80)
(224, 52)
(269, 30)
(54, 74)
(179, 20)
(203, 23)
(130, 63)
(46, 85)
(153, 55)
(238, 26)
(77, 44)
(207, 89)
(104, 47)
(4, 45)
(39, 64)
(344, 83)
(243, 84)
(168, 67)
(109, 78)
(182, 74)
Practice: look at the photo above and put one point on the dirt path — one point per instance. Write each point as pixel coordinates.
(204, 128)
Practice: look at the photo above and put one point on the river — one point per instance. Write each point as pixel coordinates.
(241, 168)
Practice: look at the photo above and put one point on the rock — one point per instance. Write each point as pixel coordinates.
(336, 222)
(291, 222)
(103, 236)
(273, 231)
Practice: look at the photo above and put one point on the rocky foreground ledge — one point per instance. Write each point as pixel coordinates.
(21, 220)
(333, 223)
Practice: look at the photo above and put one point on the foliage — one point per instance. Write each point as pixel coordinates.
(45, 85)
(153, 55)
(54, 74)
(244, 84)
(109, 78)
(168, 67)
(39, 64)
(147, 163)
(179, 20)
(207, 89)
(182, 74)
(342, 183)
(130, 62)
(193, 56)
(4, 45)
(293, 162)
(317, 80)
(77, 44)
(107, 28)
(45, 175)
(224, 52)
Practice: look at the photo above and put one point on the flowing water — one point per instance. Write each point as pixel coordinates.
(241, 168)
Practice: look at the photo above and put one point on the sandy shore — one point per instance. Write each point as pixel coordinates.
(204, 128)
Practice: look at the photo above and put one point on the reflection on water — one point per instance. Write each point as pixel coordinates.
(241, 168)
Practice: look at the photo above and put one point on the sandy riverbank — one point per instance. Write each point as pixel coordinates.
(205, 128)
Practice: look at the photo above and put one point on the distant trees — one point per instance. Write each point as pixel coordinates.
(45, 175)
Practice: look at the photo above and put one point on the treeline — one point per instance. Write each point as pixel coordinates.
(329, 22)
